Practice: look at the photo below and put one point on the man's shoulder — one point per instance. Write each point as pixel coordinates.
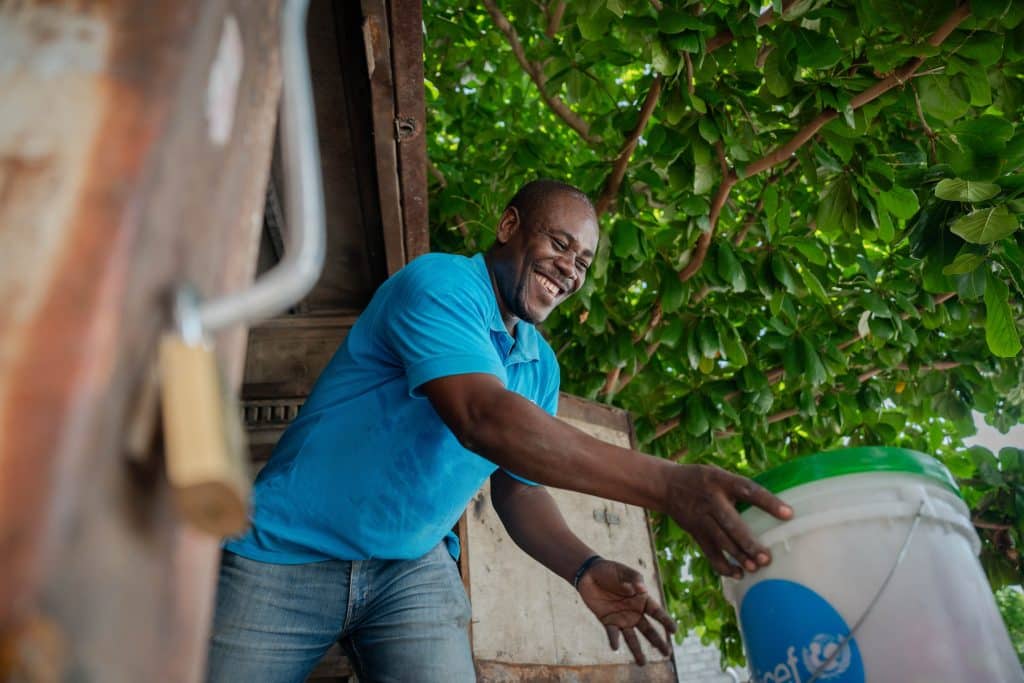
(435, 273)
(438, 264)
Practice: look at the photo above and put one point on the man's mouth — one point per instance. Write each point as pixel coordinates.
(549, 285)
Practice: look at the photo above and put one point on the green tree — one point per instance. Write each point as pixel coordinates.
(810, 225)
(1011, 606)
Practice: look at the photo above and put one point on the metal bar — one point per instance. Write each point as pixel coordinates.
(292, 278)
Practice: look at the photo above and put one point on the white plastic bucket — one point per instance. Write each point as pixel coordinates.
(888, 554)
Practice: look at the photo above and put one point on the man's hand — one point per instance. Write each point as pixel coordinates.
(618, 597)
(702, 498)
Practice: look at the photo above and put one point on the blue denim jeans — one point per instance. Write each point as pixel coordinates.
(398, 620)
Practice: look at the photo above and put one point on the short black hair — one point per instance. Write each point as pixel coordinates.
(533, 194)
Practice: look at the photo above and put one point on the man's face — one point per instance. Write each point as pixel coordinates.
(545, 257)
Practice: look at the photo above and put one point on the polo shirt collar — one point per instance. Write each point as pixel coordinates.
(523, 348)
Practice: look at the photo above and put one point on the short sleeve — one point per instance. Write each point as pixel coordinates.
(438, 324)
(546, 399)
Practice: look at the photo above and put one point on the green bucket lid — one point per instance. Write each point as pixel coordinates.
(854, 461)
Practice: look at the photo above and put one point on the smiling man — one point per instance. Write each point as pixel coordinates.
(443, 382)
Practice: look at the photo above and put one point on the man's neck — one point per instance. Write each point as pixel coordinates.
(507, 317)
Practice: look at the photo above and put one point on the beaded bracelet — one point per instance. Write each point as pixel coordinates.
(587, 564)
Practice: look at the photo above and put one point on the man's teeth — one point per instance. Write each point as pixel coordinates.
(547, 284)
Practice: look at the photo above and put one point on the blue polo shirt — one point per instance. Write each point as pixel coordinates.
(368, 469)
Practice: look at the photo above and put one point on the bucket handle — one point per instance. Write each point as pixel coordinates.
(878, 594)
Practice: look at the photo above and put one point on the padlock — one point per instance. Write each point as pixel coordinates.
(204, 442)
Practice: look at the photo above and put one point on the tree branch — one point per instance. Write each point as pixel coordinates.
(555, 19)
(793, 412)
(614, 181)
(725, 37)
(775, 375)
(536, 74)
(786, 151)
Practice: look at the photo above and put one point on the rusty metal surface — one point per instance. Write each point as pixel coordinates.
(116, 181)
(406, 19)
(377, 36)
(502, 672)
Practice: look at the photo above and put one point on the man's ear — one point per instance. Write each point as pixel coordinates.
(508, 225)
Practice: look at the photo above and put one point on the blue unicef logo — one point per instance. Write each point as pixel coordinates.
(792, 634)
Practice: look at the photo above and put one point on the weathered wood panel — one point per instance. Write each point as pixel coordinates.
(355, 261)
(377, 38)
(406, 19)
(286, 355)
(528, 624)
(133, 153)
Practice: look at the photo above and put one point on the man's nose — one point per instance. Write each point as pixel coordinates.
(566, 262)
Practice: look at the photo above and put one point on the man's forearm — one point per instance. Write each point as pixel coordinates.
(533, 520)
(534, 445)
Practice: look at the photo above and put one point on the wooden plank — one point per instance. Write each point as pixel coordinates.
(406, 18)
(376, 34)
(546, 633)
(286, 355)
(505, 672)
(593, 412)
(126, 167)
(354, 262)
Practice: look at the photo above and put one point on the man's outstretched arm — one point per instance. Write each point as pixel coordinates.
(615, 593)
(512, 432)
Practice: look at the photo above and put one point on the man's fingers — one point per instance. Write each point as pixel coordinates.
(751, 492)
(656, 611)
(653, 637)
(712, 543)
(634, 646)
(748, 551)
(613, 636)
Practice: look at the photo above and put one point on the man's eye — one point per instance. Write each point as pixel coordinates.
(559, 244)
(582, 265)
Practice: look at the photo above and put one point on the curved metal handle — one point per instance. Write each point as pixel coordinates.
(296, 273)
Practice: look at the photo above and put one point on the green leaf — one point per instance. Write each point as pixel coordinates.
(733, 346)
(985, 226)
(625, 239)
(670, 333)
(811, 251)
(707, 338)
(985, 47)
(957, 190)
(813, 285)
(899, 201)
(778, 74)
(837, 211)
(1001, 332)
(730, 269)
(672, 291)
(673, 20)
(703, 177)
(695, 418)
(664, 59)
(784, 273)
(938, 99)
(813, 369)
(593, 25)
(886, 230)
(984, 135)
(965, 262)
(815, 50)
